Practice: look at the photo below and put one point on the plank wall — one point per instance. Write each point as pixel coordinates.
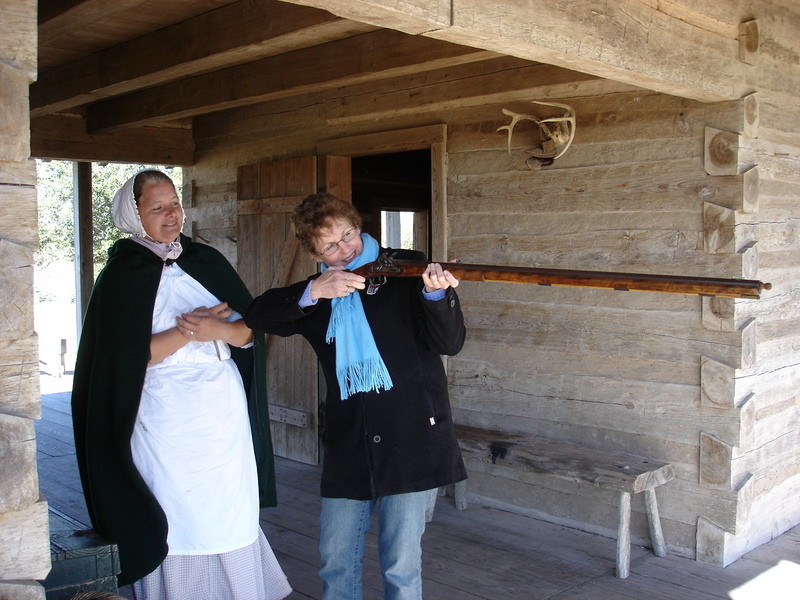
(706, 385)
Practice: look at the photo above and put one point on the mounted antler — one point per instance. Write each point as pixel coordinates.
(555, 134)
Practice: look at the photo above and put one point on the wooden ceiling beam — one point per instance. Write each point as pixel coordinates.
(670, 47)
(64, 137)
(234, 34)
(369, 57)
(409, 16)
(60, 17)
(500, 82)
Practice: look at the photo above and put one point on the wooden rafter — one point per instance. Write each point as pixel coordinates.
(378, 55)
(235, 34)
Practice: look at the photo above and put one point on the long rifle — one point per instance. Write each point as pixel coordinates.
(387, 266)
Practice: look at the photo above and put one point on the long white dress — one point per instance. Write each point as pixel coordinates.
(193, 447)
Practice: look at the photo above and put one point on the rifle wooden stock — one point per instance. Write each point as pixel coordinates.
(640, 282)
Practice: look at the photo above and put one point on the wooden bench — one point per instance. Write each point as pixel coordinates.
(618, 471)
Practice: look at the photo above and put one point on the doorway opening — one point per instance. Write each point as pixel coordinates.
(392, 192)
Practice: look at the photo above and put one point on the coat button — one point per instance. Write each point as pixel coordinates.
(452, 303)
(376, 439)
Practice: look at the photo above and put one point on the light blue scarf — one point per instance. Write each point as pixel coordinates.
(359, 366)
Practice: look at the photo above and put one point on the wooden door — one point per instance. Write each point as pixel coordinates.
(269, 256)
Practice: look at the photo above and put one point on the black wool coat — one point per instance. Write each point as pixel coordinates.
(391, 441)
(109, 375)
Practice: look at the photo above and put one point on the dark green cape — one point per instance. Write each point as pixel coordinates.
(109, 374)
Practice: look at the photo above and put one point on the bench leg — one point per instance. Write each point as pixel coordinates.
(624, 536)
(460, 494)
(654, 521)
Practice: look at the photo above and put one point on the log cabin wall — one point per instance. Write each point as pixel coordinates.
(24, 531)
(707, 385)
(680, 379)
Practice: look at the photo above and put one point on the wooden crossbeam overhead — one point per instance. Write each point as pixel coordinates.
(411, 16)
(381, 54)
(240, 32)
(64, 137)
(71, 29)
(58, 17)
(642, 43)
(133, 65)
(487, 82)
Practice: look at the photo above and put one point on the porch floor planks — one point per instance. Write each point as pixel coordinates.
(477, 554)
(487, 556)
(59, 480)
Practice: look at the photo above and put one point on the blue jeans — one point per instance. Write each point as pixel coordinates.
(344, 524)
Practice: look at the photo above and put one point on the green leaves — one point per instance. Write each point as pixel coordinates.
(56, 208)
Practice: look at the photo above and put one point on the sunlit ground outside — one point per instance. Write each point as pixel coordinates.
(55, 321)
(781, 582)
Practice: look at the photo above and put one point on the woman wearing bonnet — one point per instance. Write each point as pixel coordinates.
(169, 410)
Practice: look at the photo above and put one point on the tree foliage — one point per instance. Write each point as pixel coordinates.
(56, 214)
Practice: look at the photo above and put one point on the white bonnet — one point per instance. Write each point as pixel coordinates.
(124, 211)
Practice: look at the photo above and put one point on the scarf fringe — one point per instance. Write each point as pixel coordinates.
(364, 376)
(341, 311)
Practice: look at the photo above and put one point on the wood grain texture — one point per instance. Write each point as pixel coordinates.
(14, 127)
(613, 469)
(242, 31)
(18, 39)
(19, 485)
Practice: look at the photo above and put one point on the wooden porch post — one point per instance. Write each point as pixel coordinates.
(84, 256)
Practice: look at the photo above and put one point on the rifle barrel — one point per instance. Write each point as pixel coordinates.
(642, 282)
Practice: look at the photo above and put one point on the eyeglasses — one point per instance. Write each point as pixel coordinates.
(348, 235)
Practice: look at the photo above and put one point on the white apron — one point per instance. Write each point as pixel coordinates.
(191, 440)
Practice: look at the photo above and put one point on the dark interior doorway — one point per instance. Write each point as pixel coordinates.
(393, 195)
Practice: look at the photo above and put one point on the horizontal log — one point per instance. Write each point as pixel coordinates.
(18, 173)
(17, 312)
(413, 97)
(19, 233)
(18, 37)
(642, 250)
(242, 31)
(65, 137)
(25, 543)
(641, 45)
(266, 206)
(19, 377)
(599, 408)
(14, 129)
(19, 483)
(384, 54)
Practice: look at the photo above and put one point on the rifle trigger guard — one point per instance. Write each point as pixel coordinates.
(374, 284)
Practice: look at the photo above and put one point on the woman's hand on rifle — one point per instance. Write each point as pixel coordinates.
(436, 278)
